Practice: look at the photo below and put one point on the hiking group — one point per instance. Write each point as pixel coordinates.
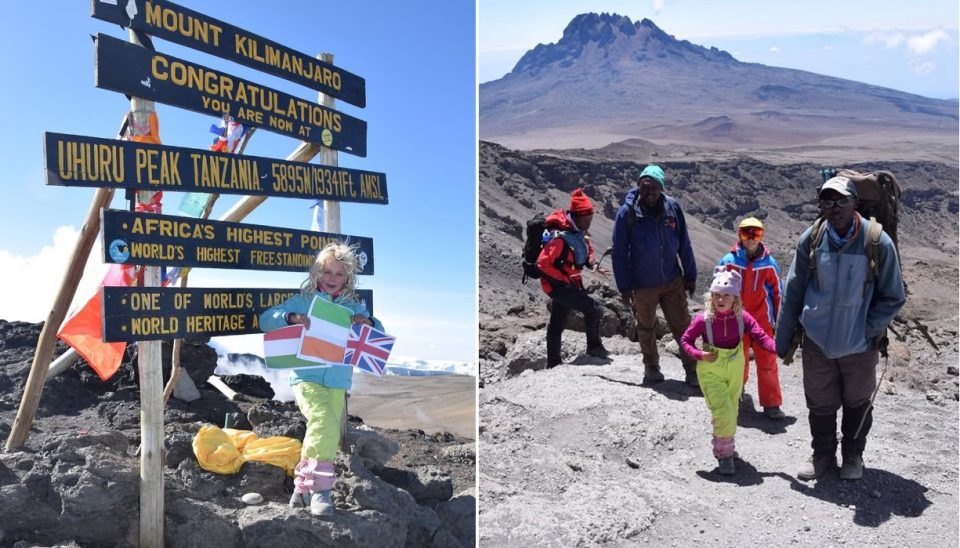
(842, 290)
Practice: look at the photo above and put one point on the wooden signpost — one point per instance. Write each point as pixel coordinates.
(186, 27)
(167, 240)
(137, 71)
(153, 313)
(74, 160)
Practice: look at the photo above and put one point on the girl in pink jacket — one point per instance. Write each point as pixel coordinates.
(720, 363)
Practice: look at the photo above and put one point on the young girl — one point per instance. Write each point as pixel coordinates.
(320, 392)
(720, 363)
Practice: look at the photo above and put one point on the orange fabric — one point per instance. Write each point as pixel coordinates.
(153, 136)
(84, 333)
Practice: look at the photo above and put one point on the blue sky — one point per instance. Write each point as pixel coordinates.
(418, 61)
(884, 42)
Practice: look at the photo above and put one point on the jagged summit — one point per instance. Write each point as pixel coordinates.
(612, 38)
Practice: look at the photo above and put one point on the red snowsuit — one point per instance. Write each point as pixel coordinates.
(761, 298)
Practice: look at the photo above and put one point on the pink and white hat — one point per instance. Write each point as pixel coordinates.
(726, 282)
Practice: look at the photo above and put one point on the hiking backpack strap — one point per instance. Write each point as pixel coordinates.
(813, 242)
(740, 326)
(872, 248)
(709, 322)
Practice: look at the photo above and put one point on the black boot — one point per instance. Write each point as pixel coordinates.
(854, 441)
(592, 327)
(823, 430)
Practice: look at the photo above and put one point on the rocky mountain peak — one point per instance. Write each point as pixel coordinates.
(594, 39)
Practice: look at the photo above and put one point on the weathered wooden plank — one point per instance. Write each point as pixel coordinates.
(153, 313)
(139, 72)
(76, 160)
(170, 240)
(186, 27)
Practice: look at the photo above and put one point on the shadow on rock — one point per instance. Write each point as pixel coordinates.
(675, 389)
(876, 497)
(748, 418)
(747, 475)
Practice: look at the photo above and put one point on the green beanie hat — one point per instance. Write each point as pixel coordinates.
(655, 173)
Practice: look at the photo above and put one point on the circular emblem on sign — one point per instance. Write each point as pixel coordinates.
(327, 137)
(362, 260)
(119, 251)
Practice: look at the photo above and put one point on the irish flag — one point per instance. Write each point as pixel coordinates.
(326, 339)
(280, 348)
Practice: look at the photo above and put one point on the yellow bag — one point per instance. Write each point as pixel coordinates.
(225, 450)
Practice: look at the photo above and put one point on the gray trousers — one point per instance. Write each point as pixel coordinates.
(848, 381)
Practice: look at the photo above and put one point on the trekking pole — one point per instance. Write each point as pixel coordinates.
(605, 253)
(886, 360)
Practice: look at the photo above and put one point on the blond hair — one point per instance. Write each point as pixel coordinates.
(341, 253)
(709, 312)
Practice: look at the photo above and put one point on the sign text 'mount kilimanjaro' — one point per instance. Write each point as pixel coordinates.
(133, 70)
(167, 240)
(189, 28)
(74, 160)
(153, 313)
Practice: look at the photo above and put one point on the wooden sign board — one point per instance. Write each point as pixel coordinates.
(150, 239)
(136, 71)
(153, 313)
(74, 160)
(195, 30)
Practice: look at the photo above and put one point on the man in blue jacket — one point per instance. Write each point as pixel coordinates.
(653, 265)
(844, 308)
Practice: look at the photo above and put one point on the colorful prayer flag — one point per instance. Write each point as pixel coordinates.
(368, 349)
(280, 348)
(326, 339)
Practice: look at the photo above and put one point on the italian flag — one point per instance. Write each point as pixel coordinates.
(280, 348)
(326, 340)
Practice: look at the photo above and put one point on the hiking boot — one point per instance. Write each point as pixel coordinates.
(813, 467)
(651, 373)
(553, 362)
(726, 467)
(321, 504)
(691, 379)
(598, 352)
(299, 500)
(746, 401)
(852, 468)
(773, 413)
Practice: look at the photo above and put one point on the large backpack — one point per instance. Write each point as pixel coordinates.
(878, 199)
(533, 244)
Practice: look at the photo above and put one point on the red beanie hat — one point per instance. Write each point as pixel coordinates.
(579, 203)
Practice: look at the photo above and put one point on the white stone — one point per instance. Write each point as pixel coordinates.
(252, 498)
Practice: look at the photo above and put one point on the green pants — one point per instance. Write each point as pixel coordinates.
(721, 382)
(323, 408)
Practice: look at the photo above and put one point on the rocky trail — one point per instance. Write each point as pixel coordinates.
(586, 454)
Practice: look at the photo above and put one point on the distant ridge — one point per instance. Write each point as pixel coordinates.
(609, 79)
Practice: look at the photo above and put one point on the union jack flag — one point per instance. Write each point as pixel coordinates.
(368, 349)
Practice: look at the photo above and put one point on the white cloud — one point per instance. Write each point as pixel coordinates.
(658, 5)
(922, 68)
(830, 48)
(887, 39)
(917, 43)
(29, 284)
(775, 49)
(925, 43)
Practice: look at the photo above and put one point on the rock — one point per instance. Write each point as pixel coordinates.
(459, 514)
(252, 498)
(934, 397)
(952, 370)
(464, 452)
(373, 449)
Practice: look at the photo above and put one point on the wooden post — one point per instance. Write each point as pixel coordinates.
(48, 335)
(151, 384)
(328, 157)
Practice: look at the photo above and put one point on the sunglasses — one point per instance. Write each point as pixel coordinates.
(751, 233)
(842, 202)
